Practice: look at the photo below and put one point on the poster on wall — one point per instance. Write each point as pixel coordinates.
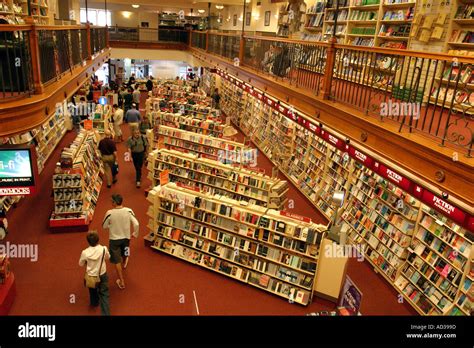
(267, 18)
(248, 16)
(351, 297)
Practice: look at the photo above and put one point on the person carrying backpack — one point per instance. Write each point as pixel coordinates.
(138, 149)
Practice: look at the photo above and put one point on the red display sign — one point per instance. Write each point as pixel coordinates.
(444, 207)
(394, 177)
(295, 216)
(361, 157)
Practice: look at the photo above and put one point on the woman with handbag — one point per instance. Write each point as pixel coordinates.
(96, 278)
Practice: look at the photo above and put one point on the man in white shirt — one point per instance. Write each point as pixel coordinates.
(118, 221)
(117, 117)
(94, 258)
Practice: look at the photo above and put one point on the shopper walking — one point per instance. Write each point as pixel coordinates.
(138, 147)
(216, 98)
(127, 100)
(133, 118)
(117, 118)
(136, 96)
(108, 150)
(118, 221)
(149, 84)
(94, 258)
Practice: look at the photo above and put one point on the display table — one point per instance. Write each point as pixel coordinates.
(7, 294)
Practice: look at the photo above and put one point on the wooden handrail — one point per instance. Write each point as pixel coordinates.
(20, 27)
(223, 34)
(281, 39)
(411, 53)
(60, 27)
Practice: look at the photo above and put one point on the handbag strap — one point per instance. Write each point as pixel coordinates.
(101, 261)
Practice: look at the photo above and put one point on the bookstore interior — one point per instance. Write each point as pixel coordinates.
(309, 158)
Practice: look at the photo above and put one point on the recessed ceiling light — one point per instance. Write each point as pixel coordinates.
(135, 6)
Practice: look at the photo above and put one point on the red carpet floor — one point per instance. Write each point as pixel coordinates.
(157, 284)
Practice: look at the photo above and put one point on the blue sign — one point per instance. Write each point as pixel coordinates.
(103, 101)
(350, 297)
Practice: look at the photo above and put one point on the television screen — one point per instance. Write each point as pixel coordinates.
(17, 171)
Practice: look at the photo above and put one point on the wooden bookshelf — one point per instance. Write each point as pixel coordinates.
(223, 150)
(15, 11)
(243, 185)
(400, 234)
(255, 245)
(45, 138)
(77, 185)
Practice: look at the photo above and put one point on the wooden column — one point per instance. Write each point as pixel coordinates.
(89, 46)
(207, 40)
(35, 59)
(330, 60)
(190, 42)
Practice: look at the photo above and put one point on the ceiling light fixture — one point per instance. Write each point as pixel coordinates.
(126, 14)
(135, 6)
(219, 7)
(201, 11)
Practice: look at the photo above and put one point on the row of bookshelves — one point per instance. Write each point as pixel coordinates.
(225, 151)
(252, 244)
(395, 228)
(214, 177)
(45, 138)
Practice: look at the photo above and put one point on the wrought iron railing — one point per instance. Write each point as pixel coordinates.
(296, 62)
(431, 94)
(16, 77)
(427, 93)
(224, 45)
(199, 39)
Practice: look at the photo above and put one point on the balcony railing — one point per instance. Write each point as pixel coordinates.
(16, 78)
(135, 34)
(199, 39)
(224, 45)
(33, 55)
(431, 94)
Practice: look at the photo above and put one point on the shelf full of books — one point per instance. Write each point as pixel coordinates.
(45, 138)
(214, 128)
(225, 151)
(200, 110)
(15, 11)
(419, 242)
(257, 246)
(101, 118)
(244, 185)
(77, 183)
